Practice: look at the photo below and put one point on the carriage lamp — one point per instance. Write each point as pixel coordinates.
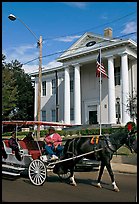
(39, 44)
(118, 110)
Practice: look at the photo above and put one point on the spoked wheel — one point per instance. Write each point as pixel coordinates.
(37, 172)
(65, 175)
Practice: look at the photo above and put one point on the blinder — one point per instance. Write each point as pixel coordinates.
(130, 140)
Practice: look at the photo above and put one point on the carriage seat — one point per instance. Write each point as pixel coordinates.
(32, 148)
(23, 147)
(7, 147)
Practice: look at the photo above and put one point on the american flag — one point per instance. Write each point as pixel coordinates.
(100, 68)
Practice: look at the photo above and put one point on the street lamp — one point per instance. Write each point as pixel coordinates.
(39, 43)
(118, 109)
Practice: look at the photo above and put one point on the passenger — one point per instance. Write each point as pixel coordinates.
(28, 138)
(32, 144)
(53, 145)
(14, 145)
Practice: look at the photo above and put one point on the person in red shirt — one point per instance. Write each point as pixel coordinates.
(53, 144)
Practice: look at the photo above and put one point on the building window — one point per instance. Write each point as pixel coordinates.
(44, 88)
(118, 115)
(72, 114)
(53, 86)
(43, 115)
(53, 115)
(117, 75)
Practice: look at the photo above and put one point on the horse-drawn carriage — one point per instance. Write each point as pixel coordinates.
(37, 164)
(34, 161)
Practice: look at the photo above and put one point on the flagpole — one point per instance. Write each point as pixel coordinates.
(100, 91)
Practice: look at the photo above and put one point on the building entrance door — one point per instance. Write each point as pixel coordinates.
(93, 117)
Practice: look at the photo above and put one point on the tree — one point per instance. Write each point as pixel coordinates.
(9, 90)
(17, 92)
(25, 98)
(132, 106)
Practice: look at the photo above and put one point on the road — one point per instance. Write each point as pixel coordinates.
(53, 190)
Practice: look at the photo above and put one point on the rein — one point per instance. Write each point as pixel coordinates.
(130, 135)
(74, 157)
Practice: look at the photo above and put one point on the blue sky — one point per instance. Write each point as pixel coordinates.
(60, 24)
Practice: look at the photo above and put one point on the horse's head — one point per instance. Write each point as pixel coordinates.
(131, 141)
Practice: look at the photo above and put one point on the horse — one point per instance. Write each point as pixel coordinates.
(101, 149)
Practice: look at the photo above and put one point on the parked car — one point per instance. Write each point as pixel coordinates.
(87, 165)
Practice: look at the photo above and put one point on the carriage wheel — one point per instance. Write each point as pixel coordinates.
(65, 175)
(37, 172)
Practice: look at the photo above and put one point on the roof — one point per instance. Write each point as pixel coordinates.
(79, 48)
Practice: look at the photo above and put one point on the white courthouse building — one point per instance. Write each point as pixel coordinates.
(70, 93)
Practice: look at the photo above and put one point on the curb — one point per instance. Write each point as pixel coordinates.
(125, 159)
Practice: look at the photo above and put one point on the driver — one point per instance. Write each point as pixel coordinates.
(53, 144)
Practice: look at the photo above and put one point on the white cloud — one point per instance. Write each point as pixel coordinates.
(130, 27)
(35, 68)
(23, 49)
(68, 38)
(80, 5)
(23, 53)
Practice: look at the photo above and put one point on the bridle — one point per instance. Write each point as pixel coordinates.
(130, 140)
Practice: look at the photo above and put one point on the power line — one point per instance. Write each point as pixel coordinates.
(60, 52)
(92, 28)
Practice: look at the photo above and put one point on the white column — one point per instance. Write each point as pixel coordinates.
(124, 88)
(111, 92)
(77, 95)
(67, 96)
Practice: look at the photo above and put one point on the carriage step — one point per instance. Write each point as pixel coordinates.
(13, 167)
(10, 173)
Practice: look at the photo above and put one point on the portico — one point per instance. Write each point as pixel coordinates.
(123, 91)
(79, 98)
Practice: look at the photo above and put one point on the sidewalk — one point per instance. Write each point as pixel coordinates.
(124, 168)
(125, 164)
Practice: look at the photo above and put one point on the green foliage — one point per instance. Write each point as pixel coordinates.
(134, 127)
(17, 92)
(9, 92)
(132, 105)
(96, 131)
(123, 151)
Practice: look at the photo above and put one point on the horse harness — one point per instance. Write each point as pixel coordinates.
(106, 144)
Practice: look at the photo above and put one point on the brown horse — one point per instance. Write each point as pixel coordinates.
(101, 150)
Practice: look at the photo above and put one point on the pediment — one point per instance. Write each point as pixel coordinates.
(80, 45)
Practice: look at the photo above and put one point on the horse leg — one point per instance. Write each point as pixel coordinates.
(108, 166)
(72, 179)
(100, 175)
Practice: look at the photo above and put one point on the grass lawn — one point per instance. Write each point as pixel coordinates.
(123, 151)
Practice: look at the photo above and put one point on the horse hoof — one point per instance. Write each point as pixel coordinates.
(73, 184)
(116, 190)
(98, 186)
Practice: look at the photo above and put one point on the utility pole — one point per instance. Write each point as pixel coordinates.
(39, 43)
(57, 105)
(39, 87)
